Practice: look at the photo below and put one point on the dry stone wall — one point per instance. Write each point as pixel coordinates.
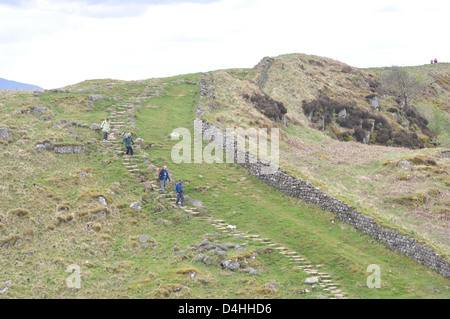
(303, 189)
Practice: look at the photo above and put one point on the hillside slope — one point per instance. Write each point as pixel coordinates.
(52, 217)
(414, 200)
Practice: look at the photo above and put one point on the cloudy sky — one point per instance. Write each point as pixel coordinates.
(54, 43)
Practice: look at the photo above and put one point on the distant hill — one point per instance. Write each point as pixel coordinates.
(13, 85)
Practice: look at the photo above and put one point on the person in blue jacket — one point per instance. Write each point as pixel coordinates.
(179, 191)
(163, 177)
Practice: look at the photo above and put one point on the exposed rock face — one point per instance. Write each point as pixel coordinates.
(4, 133)
(373, 100)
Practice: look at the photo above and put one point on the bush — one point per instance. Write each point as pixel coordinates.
(269, 107)
(409, 140)
(359, 134)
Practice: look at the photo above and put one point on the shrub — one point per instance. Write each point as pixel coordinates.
(269, 107)
(359, 134)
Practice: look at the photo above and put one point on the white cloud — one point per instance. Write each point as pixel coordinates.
(53, 43)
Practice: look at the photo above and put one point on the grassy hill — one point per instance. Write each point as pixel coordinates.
(414, 201)
(51, 216)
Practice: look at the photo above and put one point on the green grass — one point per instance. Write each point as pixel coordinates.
(115, 265)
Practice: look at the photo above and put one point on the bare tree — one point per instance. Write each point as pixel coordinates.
(402, 83)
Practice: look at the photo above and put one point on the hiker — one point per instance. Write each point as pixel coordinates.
(163, 177)
(432, 61)
(106, 127)
(435, 60)
(179, 191)
(128, 141)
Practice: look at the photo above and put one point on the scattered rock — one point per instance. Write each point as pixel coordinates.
(4, 133)
(220, 252)
(144, 238)
(139, 140)
(103, 201)
(69, 149)
(207, 260)
(4, 290)
(159, 222)
(205, 242)
(311, 280)
(95, 97)
(39, 109)
(251, 271)
(226, 246)
(136, 206)
(83, 174)
(96, 127)
(404, 164)
(230, 264)
(200, 257)
(175, 135)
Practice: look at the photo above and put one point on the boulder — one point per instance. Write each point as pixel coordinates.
(404, 164)
(95, 97)
(230, 264)
(207, 260)
(373, 100)
(96, 127)
(200, 257)
(226, 246)
(311, 280)
(143, 238)
(220, 252)
(197, 204)
(4, 133)
(136, 206)
(251, 271)
(39, 109)
(103, 201)
(205, 242)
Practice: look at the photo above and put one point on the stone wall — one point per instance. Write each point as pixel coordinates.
(303, 189)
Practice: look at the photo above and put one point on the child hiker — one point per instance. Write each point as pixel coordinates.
(128, 141)
(106, 128)
(179, 191)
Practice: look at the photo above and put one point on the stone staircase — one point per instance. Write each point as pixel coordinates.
(327, 285)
